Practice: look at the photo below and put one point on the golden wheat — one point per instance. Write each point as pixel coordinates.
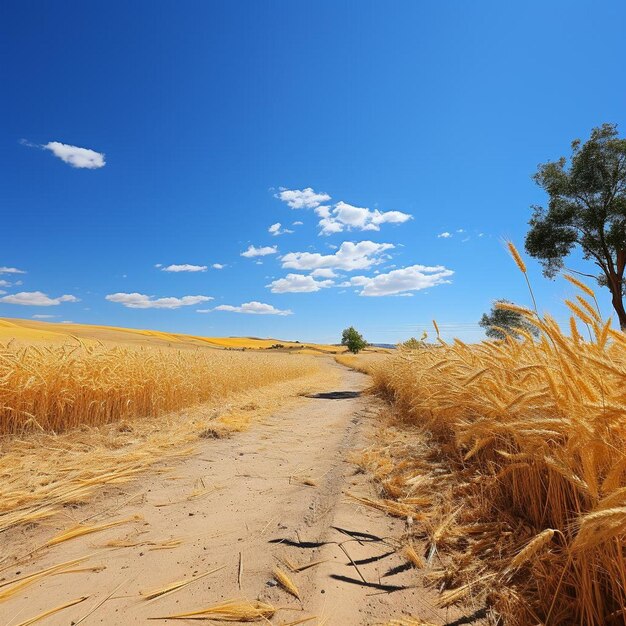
(58, 387)
(533, 435)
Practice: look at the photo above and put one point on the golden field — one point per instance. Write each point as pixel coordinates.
(510, 457)
(28, 332)
(59, 387)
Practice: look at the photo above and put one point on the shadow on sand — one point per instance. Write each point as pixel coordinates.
(335, 395)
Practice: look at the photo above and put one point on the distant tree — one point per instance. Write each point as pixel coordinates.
(500, 323)
(586, 208)
(412, 344)
(353, 340)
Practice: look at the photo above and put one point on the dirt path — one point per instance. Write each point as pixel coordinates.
(275, 491)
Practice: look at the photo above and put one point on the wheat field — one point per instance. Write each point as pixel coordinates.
(52, 388)
(518, 461)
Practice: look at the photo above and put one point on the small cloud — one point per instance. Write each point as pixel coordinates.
(252, 251)
(43, 317)
(218, 266)
(301, 198)
(11, 270)
(444, 235)
(460, 230)
(253, 308)
(142, 301)
(67, 322)
(82, 158)
(481, 234)
(298, 283)
(275, 229)
(5, 283)
(36, 298)
(158, 265)
(297, 223)
(185, 268)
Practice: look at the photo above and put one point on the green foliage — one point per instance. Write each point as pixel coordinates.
(353, 340)
(586, 209)
(501, 323)
(412, 344)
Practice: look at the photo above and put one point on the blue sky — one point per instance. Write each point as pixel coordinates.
(196, 118)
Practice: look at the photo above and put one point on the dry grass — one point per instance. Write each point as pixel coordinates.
(59, 387)
(230, 611)
(365, 362)
(52, 611)
(514, 455)
(285, 582)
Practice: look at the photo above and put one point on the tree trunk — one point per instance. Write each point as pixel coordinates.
(615, 285)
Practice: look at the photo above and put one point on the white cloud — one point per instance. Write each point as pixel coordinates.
(444, 235)
(297, 223)
(253, 308)
(302, 198)
(275, 229)
(11, 270)
(185, 268)
(5, 283)
(340, 217)
(252, 251)
(402, 281)
(218, 266)
(158, 265)
(43, 317)
(2, 291)
(323, 272)
(460, 230)
(83, 158)
(349, 257)
(298, 283)
(141, 301)
(36, 298)
(345, 216)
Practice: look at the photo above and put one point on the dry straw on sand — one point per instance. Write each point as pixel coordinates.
(56, 609)
(172, 587)
(285, 582)
(230, 611)
(530, 437)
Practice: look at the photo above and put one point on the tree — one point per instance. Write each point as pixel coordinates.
(587, 208)
(353, 340)
(501, 323)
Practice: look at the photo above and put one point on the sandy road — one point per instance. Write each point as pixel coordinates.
(242, 503)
